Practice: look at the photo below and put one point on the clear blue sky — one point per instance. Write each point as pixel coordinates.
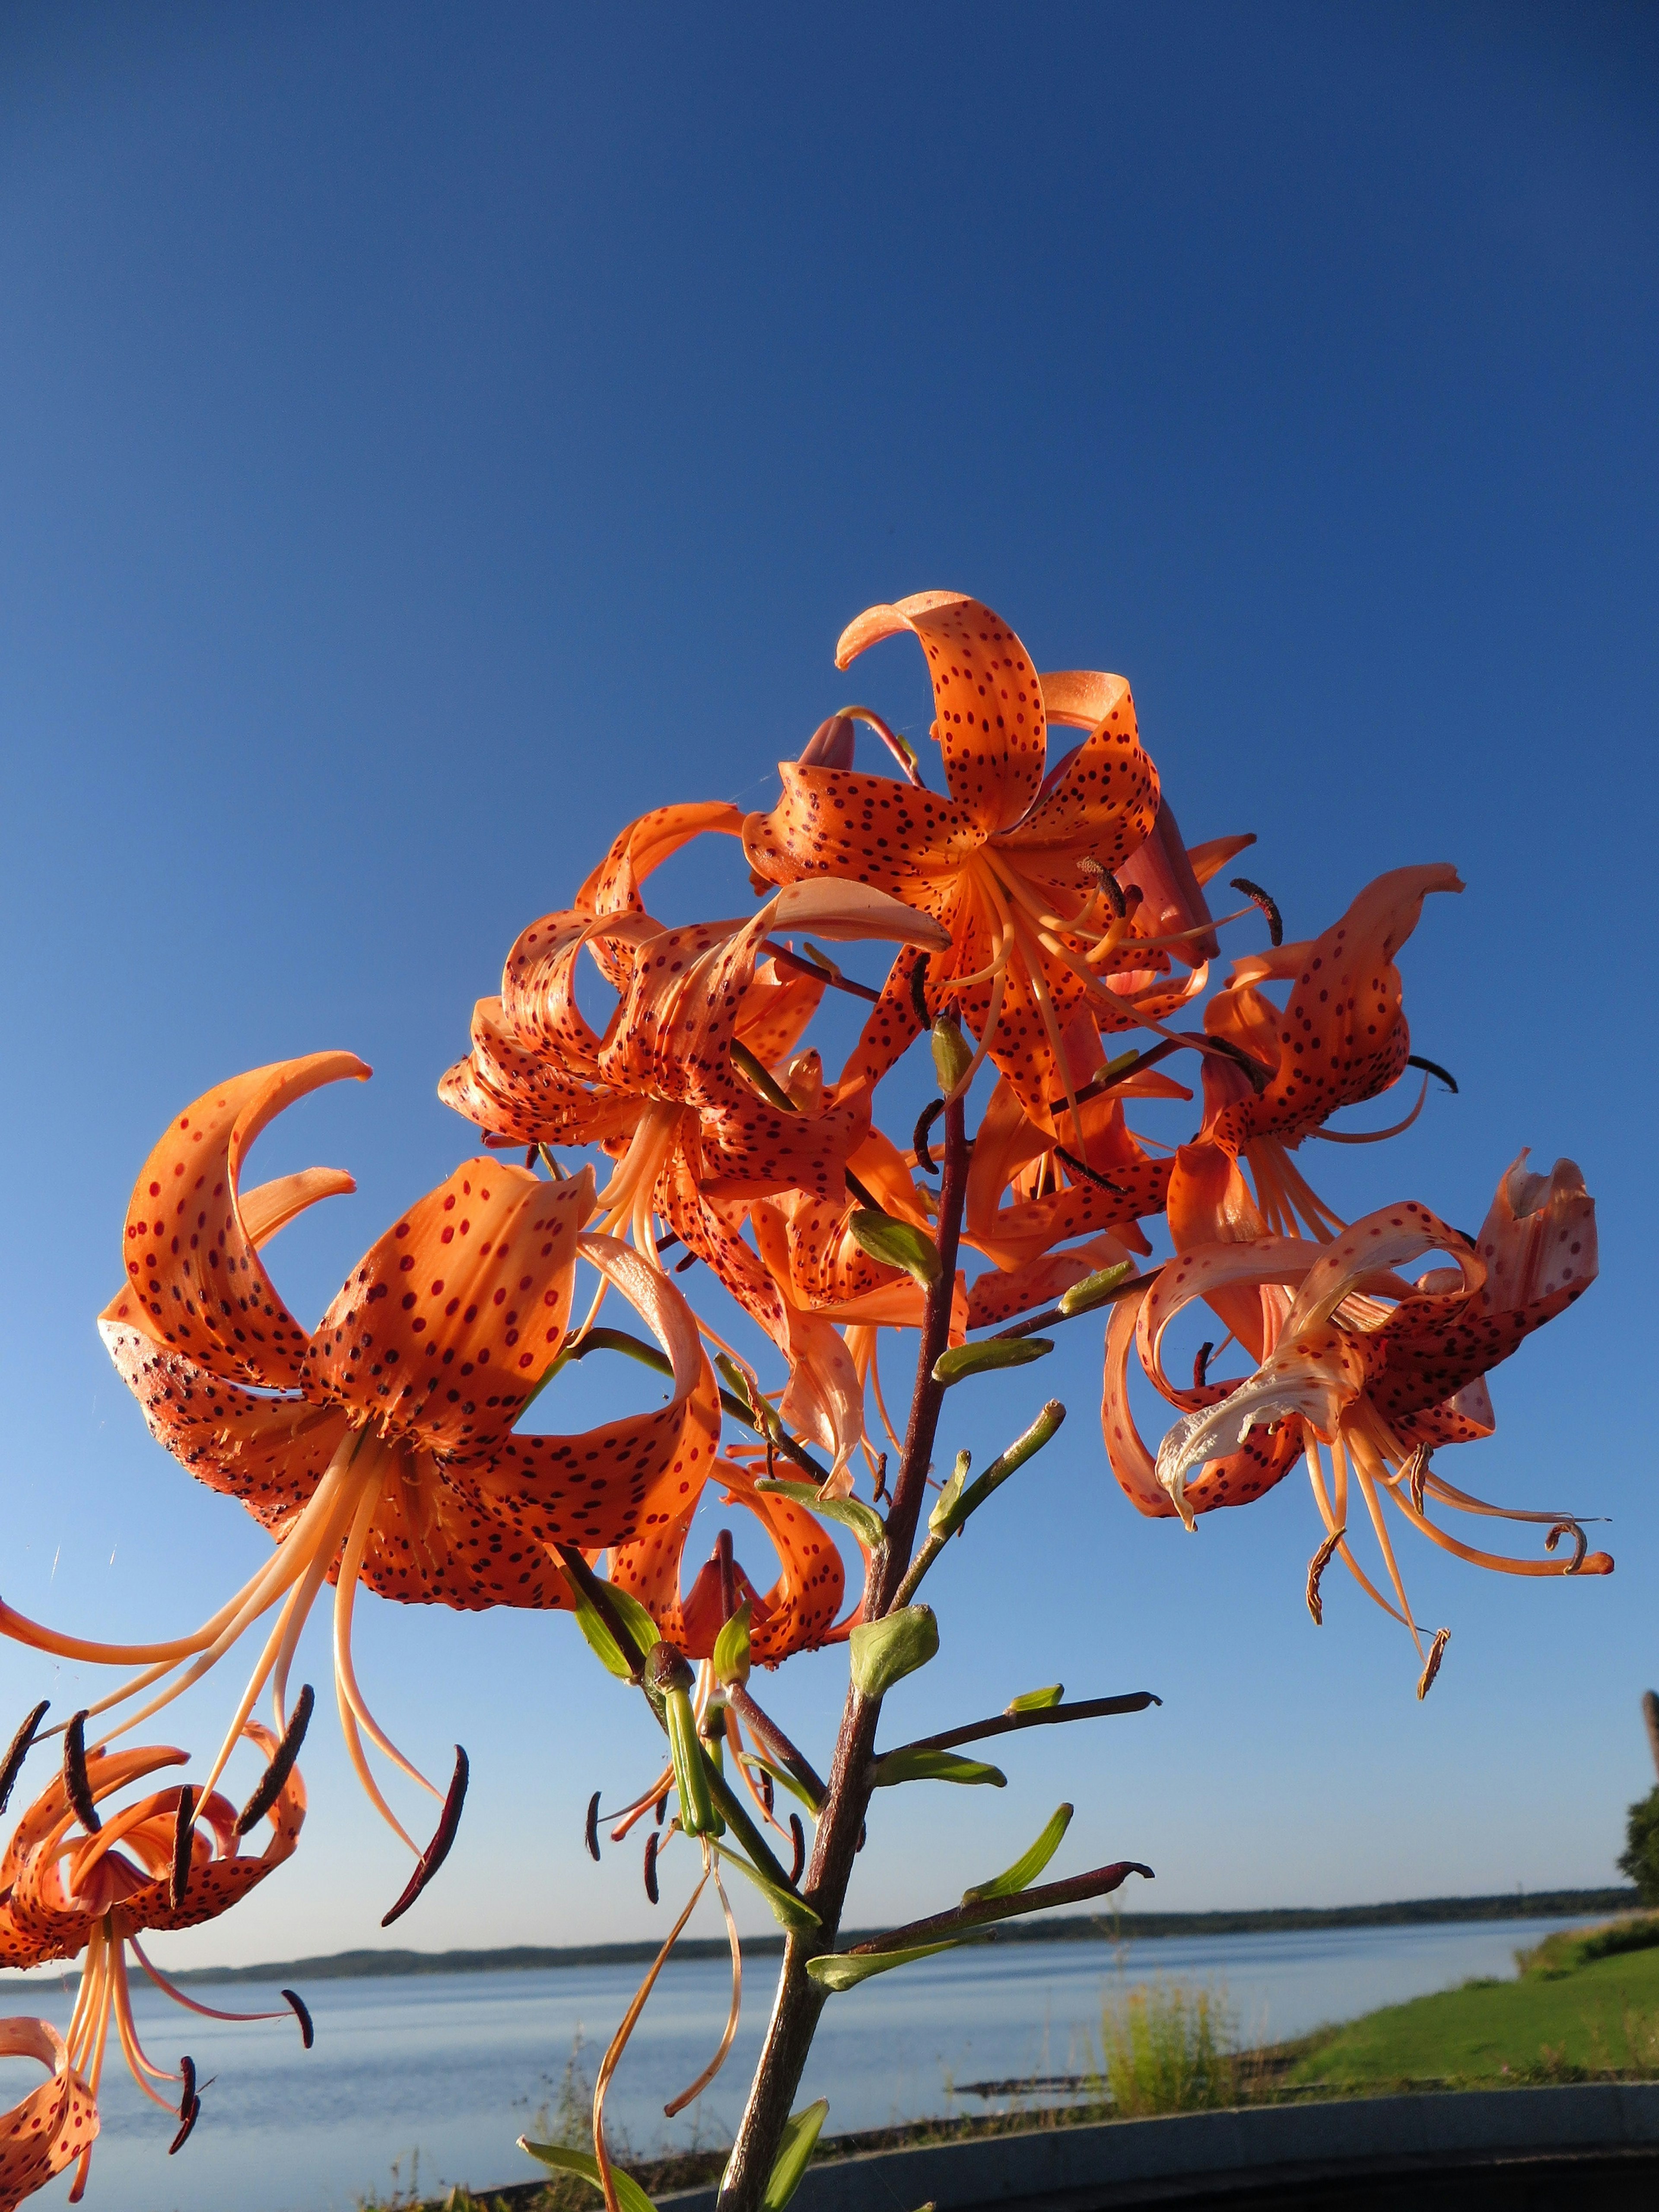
(431, 435)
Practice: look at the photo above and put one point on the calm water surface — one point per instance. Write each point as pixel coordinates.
(455, 2066)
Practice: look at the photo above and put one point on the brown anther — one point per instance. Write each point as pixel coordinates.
(919, 991)
(184, 1846)
(1433, 1067)
(879, 1490)
(76, 1788)
(1257, 896)
(798, 1833)
(187, 2076)
(1316, 1566)
(301, 2013)
(690, 1261)
(662, 1808)
(1414, 1470)
(1200, 1363)
(438, 1850)
(22, 1744)
(281, 1764)
(192, 2113)
(590, 1831)
(769, 1794)
(1580, 1544)
(928, 1115)
(1105, 882)
(651, 1866)
(1082, 1168)
(1426, 1680)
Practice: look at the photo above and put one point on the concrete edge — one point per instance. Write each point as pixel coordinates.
(995, 2170)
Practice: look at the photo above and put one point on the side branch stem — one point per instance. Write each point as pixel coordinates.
(1082, 1709)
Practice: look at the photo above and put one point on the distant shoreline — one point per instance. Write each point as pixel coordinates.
(1126, 1927)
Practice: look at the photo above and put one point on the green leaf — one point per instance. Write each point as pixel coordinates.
(944, 1505)
(1004, 1464)
(788, 1910)
(866, 1524)
(1026, 1868)
(793, 2152)
(845, 1970)
(1094, 1290)
(992, 1351)
(785, 1780)
(1036, 1701)
(884, 1651)
(732, 1647)
(629, 2195)
(895, 1243)
(634, 1617)
(935, 1767)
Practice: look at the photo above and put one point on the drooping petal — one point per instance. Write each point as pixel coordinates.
(1538, 1239)
(987, 700)
(802, 1605)
(1103, 798)
(861, 828)
(1342, 1036)
(446, 1323)
(199, 1285)
(638, 849)
(610, 1483)
(524, 1093)
(49, 2128)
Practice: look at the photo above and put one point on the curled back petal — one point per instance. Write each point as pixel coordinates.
(49, 2128)
(192, 1266)
(607, 1485)
(524, 1093)
(638, 849)
(447, 1324)
(987, 700)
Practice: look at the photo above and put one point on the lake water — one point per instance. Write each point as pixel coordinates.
(455, 2066)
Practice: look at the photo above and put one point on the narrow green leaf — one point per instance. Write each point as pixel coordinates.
(785, 1779)
(1026, 1868)
(629, 2195)
(634, 1617)
(1036, 1701)
(1008, 1462)
(799, 2137)
(788, 1910)
(935, 1767)
(866, 1524)
(732, 1647)
(895, 1243)
(845, 1970)
(884, 1651)
(990, 1353)
(945, 1503)
(1094, 1290)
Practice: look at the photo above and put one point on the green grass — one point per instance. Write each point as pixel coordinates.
(1169, 2048)
(1587, 2004)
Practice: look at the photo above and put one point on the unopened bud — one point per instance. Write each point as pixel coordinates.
(895, 1243)
(964, 1359)
(1094, 1290)
(952, 1053)
(884, 1651)
(732, 1649)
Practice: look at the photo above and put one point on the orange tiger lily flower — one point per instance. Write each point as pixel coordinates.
(1092, 1177)
(1341, 1038)
(76, 1879)
(1376, 1370)
(378, 1448)
(1010, 862)
(796, 1614)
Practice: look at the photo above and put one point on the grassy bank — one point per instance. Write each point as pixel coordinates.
(1586, 2006)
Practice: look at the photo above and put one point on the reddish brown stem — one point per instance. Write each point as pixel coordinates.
(799, 2001)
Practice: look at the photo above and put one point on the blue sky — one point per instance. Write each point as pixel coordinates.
(431, 437)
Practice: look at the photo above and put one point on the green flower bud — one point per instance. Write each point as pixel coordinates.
(992, 1351)
(952, 1053)
(731, 1648)
(884, 1651)
(1094, 1290)
(895, 1245)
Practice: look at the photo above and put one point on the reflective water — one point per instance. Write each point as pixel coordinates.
(456, 2066)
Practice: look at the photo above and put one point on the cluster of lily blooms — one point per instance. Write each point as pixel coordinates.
(1037, 912)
